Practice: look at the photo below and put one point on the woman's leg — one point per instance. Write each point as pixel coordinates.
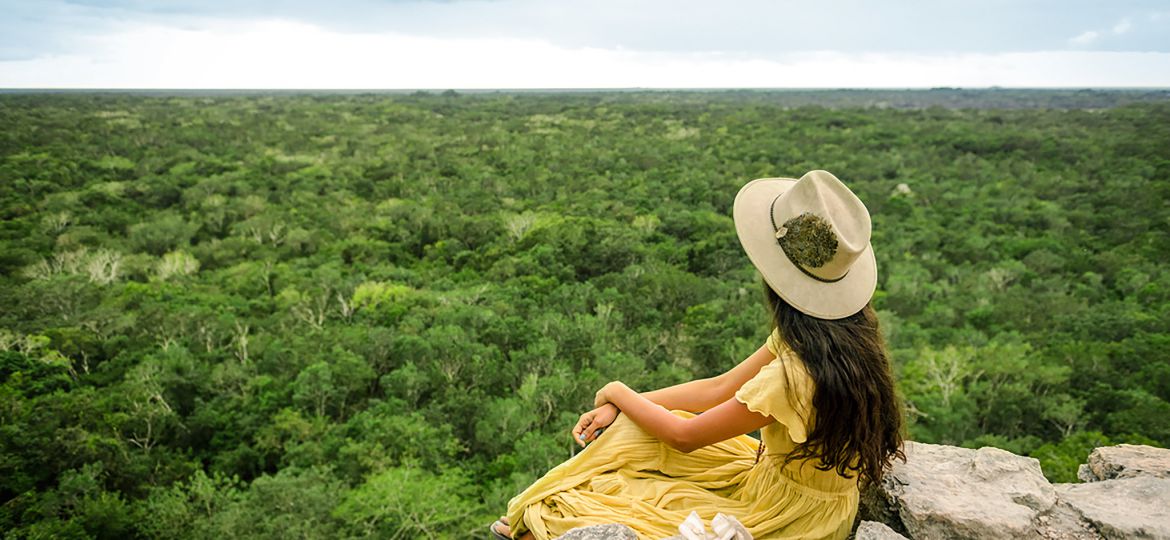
(607, 483)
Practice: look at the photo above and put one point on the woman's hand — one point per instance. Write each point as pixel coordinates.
(605, 395)
(592, 422)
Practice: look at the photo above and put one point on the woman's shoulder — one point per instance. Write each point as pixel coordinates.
(782, 389)
(775, 342)
(787, 359)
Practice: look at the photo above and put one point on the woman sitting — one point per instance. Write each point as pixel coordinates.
(819, 390)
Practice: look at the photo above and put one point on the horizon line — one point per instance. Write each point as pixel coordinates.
(18, 89)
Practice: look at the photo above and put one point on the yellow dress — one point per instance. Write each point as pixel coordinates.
(628, 476)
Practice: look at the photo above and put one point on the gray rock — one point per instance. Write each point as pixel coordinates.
(609, 531)
(1125, 461)
(1122, 508)
(1065, 523)
(948, 492)
(872, 530)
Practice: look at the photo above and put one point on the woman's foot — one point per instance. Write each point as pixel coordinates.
(501, 528)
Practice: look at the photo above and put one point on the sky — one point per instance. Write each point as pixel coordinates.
(484, 44)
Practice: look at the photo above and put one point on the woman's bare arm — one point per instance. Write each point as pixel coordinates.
(694, 396)
(703, 394)
(724, 421)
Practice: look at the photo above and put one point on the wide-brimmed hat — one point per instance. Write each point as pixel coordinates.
(809, 238)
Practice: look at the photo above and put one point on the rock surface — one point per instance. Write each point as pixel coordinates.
(872, 530)
(1137, 507)
(609, 531)
(1125, 461)
(948, 492)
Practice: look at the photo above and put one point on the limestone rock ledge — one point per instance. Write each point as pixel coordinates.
(872, 530)
(948, 492)
(1125, 461)
(609, 531)
(945, 492)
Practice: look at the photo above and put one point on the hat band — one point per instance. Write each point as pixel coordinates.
(775, 229)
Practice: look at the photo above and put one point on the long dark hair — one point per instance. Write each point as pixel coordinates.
(858, 423)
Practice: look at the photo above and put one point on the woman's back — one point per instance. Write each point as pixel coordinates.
(784, 390)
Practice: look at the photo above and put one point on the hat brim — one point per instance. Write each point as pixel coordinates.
(753, 225)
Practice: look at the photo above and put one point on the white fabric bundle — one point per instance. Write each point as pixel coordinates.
(724, 527)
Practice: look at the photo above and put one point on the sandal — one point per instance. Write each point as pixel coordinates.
(497, 535)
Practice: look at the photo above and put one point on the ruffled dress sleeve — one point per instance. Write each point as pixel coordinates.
(782, 389)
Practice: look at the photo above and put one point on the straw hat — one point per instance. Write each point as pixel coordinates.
(810, 240)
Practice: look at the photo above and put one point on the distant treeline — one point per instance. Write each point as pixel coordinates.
(949, 98)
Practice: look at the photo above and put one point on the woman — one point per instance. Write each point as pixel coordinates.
(819, 390)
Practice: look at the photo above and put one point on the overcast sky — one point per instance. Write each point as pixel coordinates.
(582, 44)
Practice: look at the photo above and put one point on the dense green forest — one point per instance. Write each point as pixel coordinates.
(318, 316)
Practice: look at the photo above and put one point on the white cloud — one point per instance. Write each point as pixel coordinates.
(1122, 26)
(1085, 38)
(286, 54)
